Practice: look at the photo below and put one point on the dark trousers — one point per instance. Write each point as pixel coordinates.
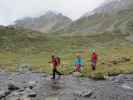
(93, 67)
(94, 62)
(54, 73)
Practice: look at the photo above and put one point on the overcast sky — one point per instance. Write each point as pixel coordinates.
(11, 10)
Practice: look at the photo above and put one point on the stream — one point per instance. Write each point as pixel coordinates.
(37, 86)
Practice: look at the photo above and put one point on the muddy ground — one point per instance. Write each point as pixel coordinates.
(36, 86)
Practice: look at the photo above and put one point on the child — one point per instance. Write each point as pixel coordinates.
(78, 63)
(94, 60)
(54, 62)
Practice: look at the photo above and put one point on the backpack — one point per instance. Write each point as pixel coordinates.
(58, 60)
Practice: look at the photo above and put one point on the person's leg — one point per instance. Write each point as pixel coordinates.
(58, 72)
(93, 68)
(54, 71)
(92, 65)
(95, 65)
(78, 68)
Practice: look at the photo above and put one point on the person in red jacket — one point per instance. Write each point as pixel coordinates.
(94, 58)
(58, 61)
(54, 62)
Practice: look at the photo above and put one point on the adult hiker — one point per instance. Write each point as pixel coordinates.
(55, 65)
(58, 61)
(94, 58)
(78, 63)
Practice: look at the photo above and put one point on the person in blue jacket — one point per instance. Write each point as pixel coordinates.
(78, 63)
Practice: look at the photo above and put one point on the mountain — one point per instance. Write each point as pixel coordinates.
(12, 39)
(28, 42)
(114, 6)
(112, 16)
(49, 22)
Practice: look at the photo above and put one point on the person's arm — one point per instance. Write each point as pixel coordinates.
(96, 57)
(91, 58)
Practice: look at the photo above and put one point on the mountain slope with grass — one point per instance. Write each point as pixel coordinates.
(20, 46)
(12, 39)
(114, 16)
(113, 6)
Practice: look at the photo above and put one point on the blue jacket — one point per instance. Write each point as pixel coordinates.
(79, 61)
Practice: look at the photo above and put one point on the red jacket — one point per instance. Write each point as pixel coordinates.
(54, 62)
(94, 57)
(58, 61)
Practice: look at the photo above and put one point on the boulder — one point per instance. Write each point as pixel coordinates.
(126, 86)
(85, 93)
(30, 93)
(32, 84)
(24, 68)
(120, 78)
(12, 87)
(4, 93)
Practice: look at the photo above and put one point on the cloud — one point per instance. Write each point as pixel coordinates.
(11, 10)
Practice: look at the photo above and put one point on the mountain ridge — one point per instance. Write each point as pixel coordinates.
(109, 17)
(44, 23)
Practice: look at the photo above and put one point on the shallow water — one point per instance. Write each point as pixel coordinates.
(67, 88)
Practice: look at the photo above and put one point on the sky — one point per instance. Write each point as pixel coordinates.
(11, 10)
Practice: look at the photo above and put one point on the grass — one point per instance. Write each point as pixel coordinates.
(39, 61)
(37, 52)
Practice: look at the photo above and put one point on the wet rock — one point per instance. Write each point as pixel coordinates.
(32, 84)
(119, 79)
(4, 93)
(12, 87)
(23, 95)
(24, 68)
(126, 86)
(85, 93)
(30, 93)
(106, 77)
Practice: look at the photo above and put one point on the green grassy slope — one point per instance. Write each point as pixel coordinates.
(36, 49)
(120, 22)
